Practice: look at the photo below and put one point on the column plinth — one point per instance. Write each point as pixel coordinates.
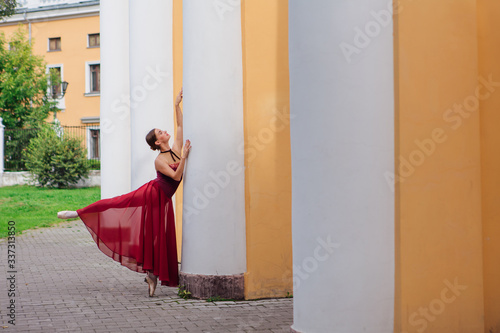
(206, 286)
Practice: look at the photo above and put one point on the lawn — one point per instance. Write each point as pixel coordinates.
(33, 207)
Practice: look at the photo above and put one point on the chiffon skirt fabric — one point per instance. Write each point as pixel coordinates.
(137, 229)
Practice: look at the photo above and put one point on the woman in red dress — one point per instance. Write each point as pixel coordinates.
(137, 229)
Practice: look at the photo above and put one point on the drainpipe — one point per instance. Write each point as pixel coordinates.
(29, 24)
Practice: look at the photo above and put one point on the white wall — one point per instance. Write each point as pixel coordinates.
(214, 199)
(151, 81)
(115, 104)
(25, 178)
(342, 145)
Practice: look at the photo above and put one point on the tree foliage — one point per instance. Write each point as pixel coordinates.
(16, 141)
(56, 161)
(7, 8)
(24, 98)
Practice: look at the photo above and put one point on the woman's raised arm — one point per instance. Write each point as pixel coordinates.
(177, 146)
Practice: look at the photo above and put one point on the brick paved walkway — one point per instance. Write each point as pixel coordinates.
(65, 284)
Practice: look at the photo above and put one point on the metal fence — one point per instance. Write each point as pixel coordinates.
(16, 140)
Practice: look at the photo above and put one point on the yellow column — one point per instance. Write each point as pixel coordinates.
(267, 148)
(439, 279)
(489, 53)
(177, 47)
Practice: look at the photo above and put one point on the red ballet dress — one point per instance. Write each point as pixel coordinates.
(137, 229)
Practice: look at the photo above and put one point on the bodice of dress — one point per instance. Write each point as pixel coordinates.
(167, 184)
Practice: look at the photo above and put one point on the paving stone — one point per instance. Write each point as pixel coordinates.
(65, 284)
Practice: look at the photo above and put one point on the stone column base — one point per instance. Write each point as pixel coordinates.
(293, 331)
(206, 286)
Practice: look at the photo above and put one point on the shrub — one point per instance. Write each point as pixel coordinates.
(55, 161)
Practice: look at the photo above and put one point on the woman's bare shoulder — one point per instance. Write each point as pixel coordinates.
(159, 161)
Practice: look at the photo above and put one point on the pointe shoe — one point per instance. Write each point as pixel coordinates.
(67, 214)
(151, 285)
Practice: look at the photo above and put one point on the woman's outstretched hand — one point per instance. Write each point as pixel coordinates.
(187, 148)
(178, 100)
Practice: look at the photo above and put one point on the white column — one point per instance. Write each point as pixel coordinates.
(342, 137)
(115, 102)
(151, 81)
(214, 198)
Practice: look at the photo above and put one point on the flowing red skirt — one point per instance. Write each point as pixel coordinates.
(137, 229)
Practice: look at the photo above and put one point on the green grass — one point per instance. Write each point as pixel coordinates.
(33, 207)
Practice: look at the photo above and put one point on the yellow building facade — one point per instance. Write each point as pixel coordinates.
(66, 34)
(447, 77)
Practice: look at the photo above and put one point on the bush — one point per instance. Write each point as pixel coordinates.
(55, 161)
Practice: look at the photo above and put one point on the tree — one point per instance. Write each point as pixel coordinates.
(24, 95)
(7, 8)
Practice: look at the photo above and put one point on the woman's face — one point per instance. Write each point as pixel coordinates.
(161, 136)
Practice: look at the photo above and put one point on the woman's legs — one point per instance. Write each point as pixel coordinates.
(67, 214)
(151, 280)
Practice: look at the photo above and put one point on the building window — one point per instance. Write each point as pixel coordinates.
(13, 46)
(94, 40)
(95, 78)
(94, 135)
(55, 88)
(92, 78)
(55, 44)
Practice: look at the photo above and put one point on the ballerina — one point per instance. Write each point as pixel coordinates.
(137, 229)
